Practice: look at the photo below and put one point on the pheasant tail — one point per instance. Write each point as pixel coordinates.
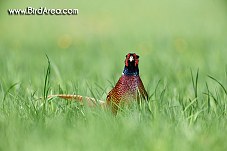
(87, 100)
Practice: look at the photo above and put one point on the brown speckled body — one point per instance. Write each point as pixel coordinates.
(126, 89)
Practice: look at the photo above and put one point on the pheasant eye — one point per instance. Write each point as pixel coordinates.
(137, 56)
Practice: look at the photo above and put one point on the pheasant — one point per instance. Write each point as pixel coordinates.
(128, 88)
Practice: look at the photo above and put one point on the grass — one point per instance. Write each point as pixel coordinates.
(182, 48)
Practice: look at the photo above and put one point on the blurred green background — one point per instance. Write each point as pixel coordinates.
(88, 50)
(170, 37)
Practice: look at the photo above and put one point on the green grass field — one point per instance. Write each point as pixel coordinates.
(182, 47)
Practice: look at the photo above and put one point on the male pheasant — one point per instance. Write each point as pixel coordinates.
(128, 86)
(127, 89)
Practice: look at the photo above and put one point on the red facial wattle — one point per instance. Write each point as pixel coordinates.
(131, 57)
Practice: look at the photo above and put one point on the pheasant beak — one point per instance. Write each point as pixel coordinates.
(131, 58)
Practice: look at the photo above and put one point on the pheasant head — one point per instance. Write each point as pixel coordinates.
(131, 64)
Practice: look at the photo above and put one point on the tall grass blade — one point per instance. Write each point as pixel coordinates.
(224, 89)
(195, 85)
(46, 87)
(195, 82)
(6, 93)
(47, 80)
(208, 97)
